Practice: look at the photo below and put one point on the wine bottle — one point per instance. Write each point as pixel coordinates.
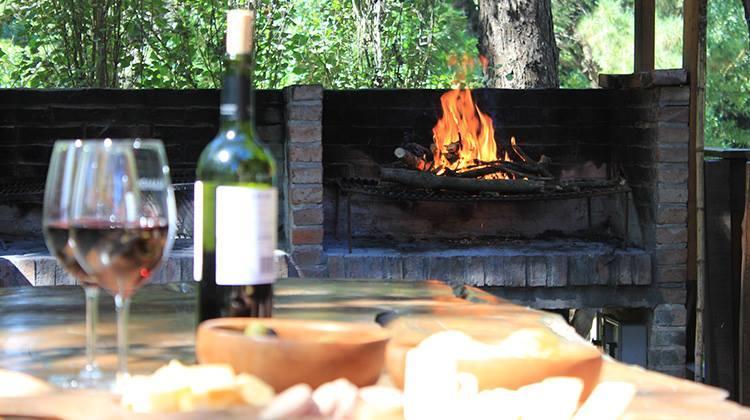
(235, 196)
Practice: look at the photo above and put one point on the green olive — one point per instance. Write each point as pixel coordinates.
(257, 329)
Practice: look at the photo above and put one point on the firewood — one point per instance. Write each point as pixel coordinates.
(411, 160)
(543, 164)
(519, 152)
(418, 150)
(518, 170)
(421, 179)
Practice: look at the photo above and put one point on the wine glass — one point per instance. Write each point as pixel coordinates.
(123, 220)
(56, 220)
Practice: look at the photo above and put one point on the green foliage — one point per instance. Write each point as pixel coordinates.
(348, 44)
(596, 36)
(727, 76)
(178, 44)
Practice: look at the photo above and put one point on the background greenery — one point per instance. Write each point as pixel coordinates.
(348, 44)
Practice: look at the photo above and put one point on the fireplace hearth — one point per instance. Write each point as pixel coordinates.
(609, 231)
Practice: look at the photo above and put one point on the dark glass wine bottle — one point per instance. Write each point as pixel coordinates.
(235, 197)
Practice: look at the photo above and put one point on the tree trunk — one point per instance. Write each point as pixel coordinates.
(518, 39)
(746, 6)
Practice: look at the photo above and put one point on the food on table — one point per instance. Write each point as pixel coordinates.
(303, 351)
(553, 398)
(294, 402)
(336, 399)
(258, 329)
(179, 388)
(436, 386)
(379, 403)
(17, 384)
(499, 352)
(176, 387)
(607, 402)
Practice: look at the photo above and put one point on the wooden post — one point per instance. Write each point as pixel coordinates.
(744, 330)
(645, 35)
(694, 60)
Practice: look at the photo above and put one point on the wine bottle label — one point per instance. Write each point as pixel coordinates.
(245, 235)
(198, 231)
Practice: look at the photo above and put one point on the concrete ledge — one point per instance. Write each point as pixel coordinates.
(532, 264)
(29, 264)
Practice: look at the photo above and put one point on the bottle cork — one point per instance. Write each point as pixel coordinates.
(240, 31)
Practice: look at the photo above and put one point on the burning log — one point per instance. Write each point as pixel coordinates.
(504, 167)
(419, 150)
(427, 180)
(411, 160)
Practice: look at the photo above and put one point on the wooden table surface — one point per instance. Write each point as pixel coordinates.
(42, 328)
(42, 331)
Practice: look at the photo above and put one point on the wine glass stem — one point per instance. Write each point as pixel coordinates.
(92, 319)
(122, 306)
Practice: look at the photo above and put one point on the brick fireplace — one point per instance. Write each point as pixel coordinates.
(625, 251)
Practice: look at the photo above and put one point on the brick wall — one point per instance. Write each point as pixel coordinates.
(304, 173)
(641, 132)
(186, 120)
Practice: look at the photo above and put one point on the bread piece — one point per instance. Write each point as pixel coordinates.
(430, 383)
(17, 384)
(554, 398)
(379, 403)
(608, 401)
(336, 399)
(294, 402)
(254, 391)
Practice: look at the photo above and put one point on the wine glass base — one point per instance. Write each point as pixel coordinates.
(85, 379)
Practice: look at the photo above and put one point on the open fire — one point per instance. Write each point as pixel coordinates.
(464, 146)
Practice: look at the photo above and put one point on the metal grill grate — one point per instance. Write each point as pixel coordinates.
(392, 191)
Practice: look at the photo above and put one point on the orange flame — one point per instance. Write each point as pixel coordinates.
(464, 136)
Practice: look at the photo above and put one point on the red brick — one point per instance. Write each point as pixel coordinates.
(305, 153)
(306, 174)
(671, 214)
(669, 256)
(672, 172)
(671, 234)
(312, 194)
(672, 153)
(305, 111)
(307, 235)
(671, 273)
(304, 131)
(307, 255)
(308, 216)
(306, 92)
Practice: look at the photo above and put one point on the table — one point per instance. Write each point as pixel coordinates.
(42, 328)
(42, 332)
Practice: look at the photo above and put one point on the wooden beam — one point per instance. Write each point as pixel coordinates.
(694, 61)
(645, 35)
(744, 330)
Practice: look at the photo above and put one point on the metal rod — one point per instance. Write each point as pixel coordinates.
(349, 222)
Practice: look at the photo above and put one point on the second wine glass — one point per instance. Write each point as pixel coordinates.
(123, 207)
(56, 223)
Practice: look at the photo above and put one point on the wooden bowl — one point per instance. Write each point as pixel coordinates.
(564, 358)
(311, 352)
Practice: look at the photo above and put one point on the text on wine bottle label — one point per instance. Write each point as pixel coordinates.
(246, 232)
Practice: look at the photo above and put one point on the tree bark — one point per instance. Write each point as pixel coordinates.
(517, 37)
(746, 6)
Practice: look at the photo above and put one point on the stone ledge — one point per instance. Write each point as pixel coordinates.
(535, 264)
(645, 80)
(35, 267)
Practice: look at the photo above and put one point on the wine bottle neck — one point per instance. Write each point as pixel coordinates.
(237, 98)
